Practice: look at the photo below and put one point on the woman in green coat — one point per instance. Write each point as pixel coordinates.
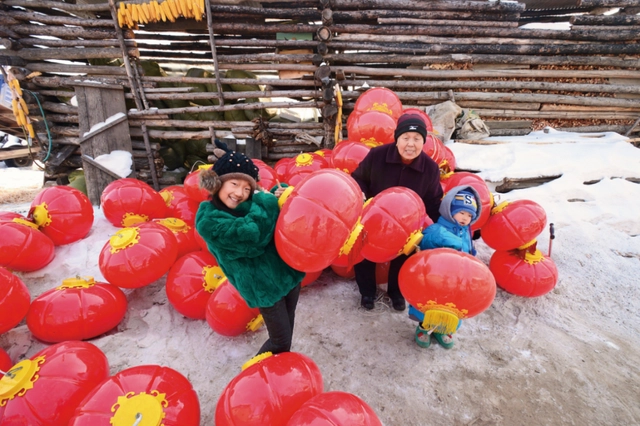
(238, 225)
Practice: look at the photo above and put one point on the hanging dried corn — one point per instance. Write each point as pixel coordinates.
(132, 14)
(19, 106)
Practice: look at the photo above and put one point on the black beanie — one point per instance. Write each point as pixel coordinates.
(231, 165)
(410, 123)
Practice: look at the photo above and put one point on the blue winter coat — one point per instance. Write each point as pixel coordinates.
(446, 232)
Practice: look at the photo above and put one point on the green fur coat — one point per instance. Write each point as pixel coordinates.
(245, 249)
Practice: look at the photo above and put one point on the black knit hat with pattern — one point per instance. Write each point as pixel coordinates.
(410, 123)
(231, 165)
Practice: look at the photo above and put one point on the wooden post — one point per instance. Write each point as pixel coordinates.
(95, 105)
(214, 55)
(136, 90)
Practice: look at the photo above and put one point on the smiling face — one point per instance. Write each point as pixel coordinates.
(234, 191)
(410, 145)
(463, 217)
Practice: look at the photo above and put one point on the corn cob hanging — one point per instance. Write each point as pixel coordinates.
(19, 106)
(132, 14)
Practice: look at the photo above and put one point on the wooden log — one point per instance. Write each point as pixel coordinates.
(327, 17)
(608, 3)
(601, 128)
(75, 69)
(61, 93)
(64, 131)
(508, 132)
(67, 43)
(69, 53)
(311, 14)
(69, 82)
(62, 118)
(7, 21)
(448, 74)
(256, 105)
(509, 184)
(346, 16)
(61, 108)
(226, 42)
(630, 10)
(497, 85)
(517, 97)
(59, 140)
(555, 114)
(59, 20)
(257, 45)
(435, 5)
(395, 40)
(142, 153)
(8, 44)
(419, 21)
(606, 28)
(100, 7)
(498, 105)
(137, 145)
(594, 109)
(471, 49)
(238, 95)
(460, 30)
(6, 32)
(186, 124)
(63, 32)
(244, 58)
(532, 97)
(152, 122)
(511, 124)
(267, 28)
(177, 134)
(324, 34)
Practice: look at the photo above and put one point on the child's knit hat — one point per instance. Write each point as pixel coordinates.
(464, 200)
(410, 123)
(231, 165)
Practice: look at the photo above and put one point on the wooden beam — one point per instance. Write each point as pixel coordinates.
(102, 128)
(18, 153)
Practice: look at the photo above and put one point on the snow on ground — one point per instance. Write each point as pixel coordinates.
(570, 357)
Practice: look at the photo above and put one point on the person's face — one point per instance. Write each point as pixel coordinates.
(463, 217)
(410, 145)
(233, 192)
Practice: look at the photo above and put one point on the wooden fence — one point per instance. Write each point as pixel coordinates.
(585, 76)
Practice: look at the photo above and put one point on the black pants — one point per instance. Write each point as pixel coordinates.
(366, 277)
(279, 320)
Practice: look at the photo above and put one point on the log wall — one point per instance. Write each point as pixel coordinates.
(518, 78)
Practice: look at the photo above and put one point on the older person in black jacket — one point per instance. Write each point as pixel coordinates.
(399, 164)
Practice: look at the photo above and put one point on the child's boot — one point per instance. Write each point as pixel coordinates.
(445, 340)
(423, 338)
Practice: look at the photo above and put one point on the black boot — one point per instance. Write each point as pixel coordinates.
(367, 302)
(398, 303)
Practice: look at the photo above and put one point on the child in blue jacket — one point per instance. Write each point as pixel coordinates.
(459, 209)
